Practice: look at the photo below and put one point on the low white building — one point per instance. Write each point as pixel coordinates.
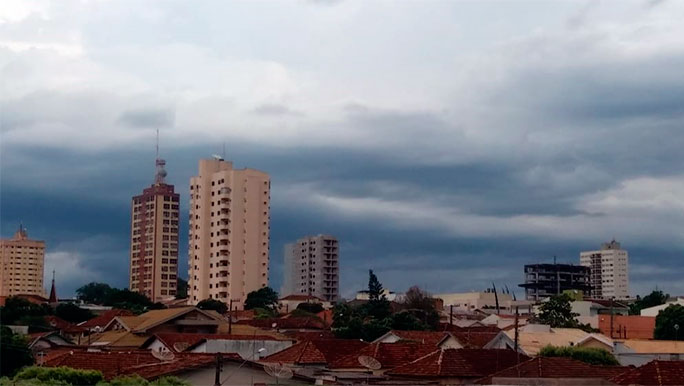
(655, 310)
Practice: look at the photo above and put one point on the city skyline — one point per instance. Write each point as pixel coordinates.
(441, 152)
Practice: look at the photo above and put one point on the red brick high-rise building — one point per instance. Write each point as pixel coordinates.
(154, 239)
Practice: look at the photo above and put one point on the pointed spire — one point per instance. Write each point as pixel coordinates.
(53, 290)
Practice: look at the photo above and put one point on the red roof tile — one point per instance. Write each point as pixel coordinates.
(62, 325)
(289, 323)
(310, 335)
(653, 373)
(432, 338)
(459, 363)
(556, 367)
(322, 351)
(104, 318)
(170, 339)
(141, 362)
(389, 355)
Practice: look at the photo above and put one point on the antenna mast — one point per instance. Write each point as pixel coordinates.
(159, 163)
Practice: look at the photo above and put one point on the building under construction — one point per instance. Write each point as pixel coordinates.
(546, 280)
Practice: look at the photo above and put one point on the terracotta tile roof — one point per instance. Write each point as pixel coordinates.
(319, 352)
(151, 319)
(533, 341)
(557, 367)
(62, 325)
(475, 339)
(459, 363)
(104, 318)
(326, 316)
(431, 338)
(141, 362)
(627, 326)
(121, 338)
(170, 339)
(390, 355)
(653, 373)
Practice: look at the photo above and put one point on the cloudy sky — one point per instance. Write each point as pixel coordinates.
(445, 143)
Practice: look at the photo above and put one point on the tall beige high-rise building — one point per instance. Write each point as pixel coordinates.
(229, 232)
(21, 265)
(609, 277)
(311, 267)
(154, 239)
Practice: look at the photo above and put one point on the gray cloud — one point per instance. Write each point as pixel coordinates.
(148, 118)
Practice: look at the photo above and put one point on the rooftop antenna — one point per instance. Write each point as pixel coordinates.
(224, 150)
(160, 175)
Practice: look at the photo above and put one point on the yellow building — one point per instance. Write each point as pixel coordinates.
(21, 265)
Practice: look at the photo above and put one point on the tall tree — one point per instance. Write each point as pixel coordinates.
(14, 352)
(653, 299)
(421, 305)
(669, 323)
(557, 312)
(265, 298)
(375, 290)
(213, 304)
(96, 293)
(377, 307)
(22, 312)
(72, 313)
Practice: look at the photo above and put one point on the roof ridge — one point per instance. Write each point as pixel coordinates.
(657, 368)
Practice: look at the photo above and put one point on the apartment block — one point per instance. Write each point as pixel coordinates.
(154, 239)
(311, 267)
(546, 280)
(609, 271)
(228, 248)
(21, 265)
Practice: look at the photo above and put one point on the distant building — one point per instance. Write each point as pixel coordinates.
(154, 239)
(470, 301)
(21, 265)
(609, 271)
(546, 280)
(311, 267)
(229, 232)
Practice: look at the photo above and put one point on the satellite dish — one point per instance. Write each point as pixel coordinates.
(181, 346)
(217, 157)
(163, 356)
(369, 362)
(278, 370)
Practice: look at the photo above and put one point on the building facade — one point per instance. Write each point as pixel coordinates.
(609, 271)
(546, 280)
(311, 267)
(154, 239)
(21, 265)
(228, 248)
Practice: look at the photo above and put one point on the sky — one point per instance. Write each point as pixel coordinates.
(445, 143)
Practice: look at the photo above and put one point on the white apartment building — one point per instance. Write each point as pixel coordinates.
(229, 232)
(609, 266)
(311, 267)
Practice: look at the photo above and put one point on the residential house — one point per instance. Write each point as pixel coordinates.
(660, 373)
(289, 303)
(533, 337)
(316, 353)
(553, 371)
(98, 323)
(247, 346)
(588, 310)
(456, 366)
(388, 355)
(433, 339)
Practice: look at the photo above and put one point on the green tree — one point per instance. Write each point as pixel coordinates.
(22, 312)
(64, 375)
(96, 293)
(375, 290)
(72, 313)
(213, 304)
(14, 352)
(181, 288)
(591, 355)
(557, 312)
(405, 320)
(377, 307)
(421, 305)
(669, 323)
(265, 298)
(313, 308)
(653, 299)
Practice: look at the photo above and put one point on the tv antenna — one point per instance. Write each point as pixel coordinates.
(278, 371)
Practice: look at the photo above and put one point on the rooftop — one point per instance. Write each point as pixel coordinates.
(653, 373)
(318, 352)
(542, 367)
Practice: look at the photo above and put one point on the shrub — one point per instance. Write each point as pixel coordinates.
(591, 355)
(66, 375)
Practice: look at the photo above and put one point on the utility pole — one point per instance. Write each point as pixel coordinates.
(230, 317)
(557, 275)
(517, 354)
(217, 374)
(451, 315)
(611, 318)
